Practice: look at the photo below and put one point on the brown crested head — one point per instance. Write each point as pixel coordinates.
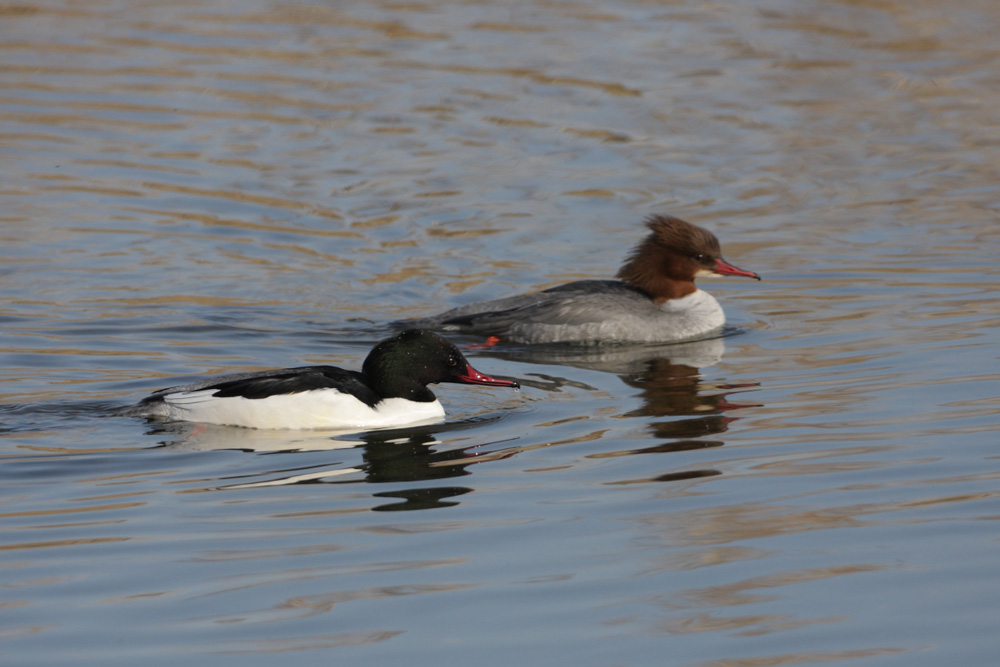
(665, 263)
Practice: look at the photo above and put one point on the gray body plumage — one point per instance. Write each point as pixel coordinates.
(586, 311)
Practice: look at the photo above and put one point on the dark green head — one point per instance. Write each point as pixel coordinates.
(405, 364)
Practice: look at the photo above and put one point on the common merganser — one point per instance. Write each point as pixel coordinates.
(390, 390)
(654, 299)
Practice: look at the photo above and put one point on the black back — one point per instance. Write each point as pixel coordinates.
(279, 382)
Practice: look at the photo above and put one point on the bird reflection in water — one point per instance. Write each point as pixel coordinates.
(402, 455)
(671, 385)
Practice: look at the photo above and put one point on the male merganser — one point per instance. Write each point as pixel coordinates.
(390, 390)
(654, 299)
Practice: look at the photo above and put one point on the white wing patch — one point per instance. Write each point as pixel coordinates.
(190, 397)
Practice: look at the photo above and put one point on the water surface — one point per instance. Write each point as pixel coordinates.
(193, 188)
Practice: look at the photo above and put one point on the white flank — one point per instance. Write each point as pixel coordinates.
(320, 408)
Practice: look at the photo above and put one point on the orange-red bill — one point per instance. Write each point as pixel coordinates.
(472, 376)
(724, 268)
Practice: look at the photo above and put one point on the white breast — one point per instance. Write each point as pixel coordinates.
(693, 315)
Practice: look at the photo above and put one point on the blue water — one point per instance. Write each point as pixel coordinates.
(196, 188)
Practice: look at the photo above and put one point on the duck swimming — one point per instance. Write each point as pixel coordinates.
(390, 390)
(653, 300)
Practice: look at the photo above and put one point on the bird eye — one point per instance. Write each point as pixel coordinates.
(452, 362)
(699, 257)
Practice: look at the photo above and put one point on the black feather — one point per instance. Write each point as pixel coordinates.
(282, 382)
(298, 380)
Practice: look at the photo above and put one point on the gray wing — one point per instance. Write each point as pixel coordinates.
(575, 304)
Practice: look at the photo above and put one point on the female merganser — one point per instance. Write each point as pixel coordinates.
(654, 301)
(390, 390)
